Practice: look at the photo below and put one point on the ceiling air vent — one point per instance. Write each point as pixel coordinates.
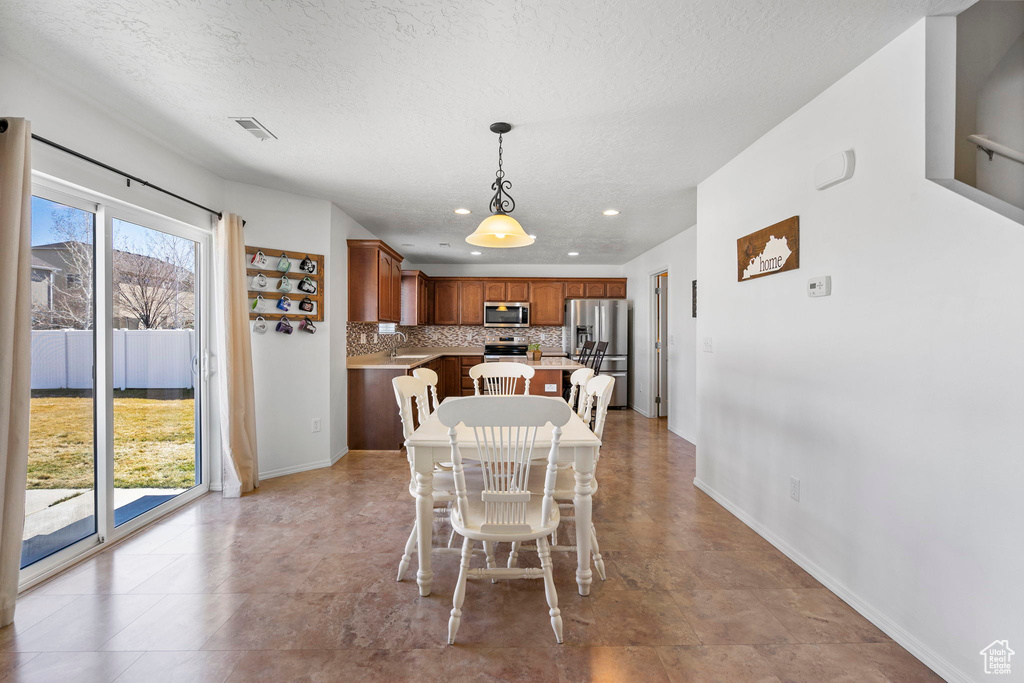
(444, 244)
(253, 126)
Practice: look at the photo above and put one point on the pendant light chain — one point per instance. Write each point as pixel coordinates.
(501, 202)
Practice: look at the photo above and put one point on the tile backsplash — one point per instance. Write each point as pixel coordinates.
(441, 335)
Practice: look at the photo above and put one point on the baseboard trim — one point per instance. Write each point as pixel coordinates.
(682, 436)
(283, 471)
(928, 656)
(339, 455)
(641, 412)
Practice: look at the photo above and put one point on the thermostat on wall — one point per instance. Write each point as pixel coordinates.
(819, 286)
(834, 170)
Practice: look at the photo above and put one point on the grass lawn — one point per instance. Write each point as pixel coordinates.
(154, 440)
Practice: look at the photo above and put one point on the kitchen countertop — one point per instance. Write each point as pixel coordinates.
(383, 361)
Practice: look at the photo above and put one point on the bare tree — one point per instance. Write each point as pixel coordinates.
(73, 299)
(154, 281)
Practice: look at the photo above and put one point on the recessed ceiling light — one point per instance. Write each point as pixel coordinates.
(475, 253)
(574, 253)
(462, 212)
(610, 212)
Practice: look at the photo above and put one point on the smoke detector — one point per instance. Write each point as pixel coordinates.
(253, 126)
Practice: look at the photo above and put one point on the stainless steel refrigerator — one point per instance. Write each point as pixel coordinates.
(600, 320)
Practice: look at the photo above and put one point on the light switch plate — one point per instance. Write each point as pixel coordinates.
(550, 387)
(819, 286)
(708, 346)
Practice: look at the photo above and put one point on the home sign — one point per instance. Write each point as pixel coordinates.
(774, 249)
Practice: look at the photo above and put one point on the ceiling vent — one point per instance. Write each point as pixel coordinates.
(253, 126)
(444, 244)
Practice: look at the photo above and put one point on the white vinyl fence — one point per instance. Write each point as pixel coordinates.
(143, 359)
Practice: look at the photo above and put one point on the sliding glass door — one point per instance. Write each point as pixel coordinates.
(61, 488)
(118, 381)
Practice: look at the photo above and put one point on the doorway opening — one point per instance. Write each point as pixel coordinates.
(659, 333)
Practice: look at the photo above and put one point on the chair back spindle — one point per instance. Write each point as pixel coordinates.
(578, 389)
(430, 378)
(599, 396)
(500, 379)
(409, 390)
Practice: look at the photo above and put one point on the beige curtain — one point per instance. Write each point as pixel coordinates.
(234, 363)
(15, 348)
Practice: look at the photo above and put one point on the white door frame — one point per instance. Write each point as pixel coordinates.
(651, 407)
(106, 209)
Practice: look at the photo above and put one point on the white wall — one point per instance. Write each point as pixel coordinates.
(343, 228)
(678, 256)
(291, 372)
(897, 401)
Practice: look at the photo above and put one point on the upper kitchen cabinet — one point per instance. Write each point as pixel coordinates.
(518, 291)
(374, 282)
(415, 298)
(616, 289)
(496, 291)
(446, 302)
(596, 290)
(471, 302)
(547, 302)
(575, 289)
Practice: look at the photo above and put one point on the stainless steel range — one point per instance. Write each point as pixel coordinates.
(505, 348)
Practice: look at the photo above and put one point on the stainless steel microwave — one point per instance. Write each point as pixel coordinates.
(506, 314)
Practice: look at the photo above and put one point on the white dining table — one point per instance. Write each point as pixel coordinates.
(429, 444)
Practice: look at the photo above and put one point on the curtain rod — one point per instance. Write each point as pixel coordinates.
(128, 176)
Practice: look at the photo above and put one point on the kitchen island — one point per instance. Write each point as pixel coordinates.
(373, 422)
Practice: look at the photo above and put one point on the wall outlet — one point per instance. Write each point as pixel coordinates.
(315, 426)
(794, 489)
(550, 387)
(375, 338)
(708, 346)
(362, 337)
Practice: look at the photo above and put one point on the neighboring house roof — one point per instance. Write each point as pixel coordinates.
(40, 264)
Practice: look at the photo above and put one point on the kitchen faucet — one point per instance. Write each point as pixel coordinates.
(394, 349)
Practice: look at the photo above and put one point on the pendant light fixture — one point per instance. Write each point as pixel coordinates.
(500, 230)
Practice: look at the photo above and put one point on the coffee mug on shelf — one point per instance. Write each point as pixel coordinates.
(257, 303)
(307, 285)
(284, 326)
(284, 285)
(285, 264)
(259, 325)
(259, 281)
(307, 326)
(284, 303)
(306, 305)
(307, 265)
(259, 260)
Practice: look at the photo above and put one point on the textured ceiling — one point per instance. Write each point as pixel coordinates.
(383, 106)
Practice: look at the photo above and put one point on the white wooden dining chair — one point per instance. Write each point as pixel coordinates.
(430, 378)
(500, 379)
(577, 390)
(599, 396)
(506, 507)
(409, 391)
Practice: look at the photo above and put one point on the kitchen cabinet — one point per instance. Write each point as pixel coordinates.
(471, 303)
(575, 289)
(374, 282)
(495, 291)
(414, 298)
(446, 302)
(451, 376)
(547, 302)
(517, 291)
(373, 420)
(615, 289)
(546, 382)
(596, 290)
(465, 381)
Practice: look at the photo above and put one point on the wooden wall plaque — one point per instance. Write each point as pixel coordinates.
(774, 249)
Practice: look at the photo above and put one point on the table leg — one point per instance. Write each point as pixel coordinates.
(583, 501)
(424, 529)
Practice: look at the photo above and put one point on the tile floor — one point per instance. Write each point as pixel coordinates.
(296, 583)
